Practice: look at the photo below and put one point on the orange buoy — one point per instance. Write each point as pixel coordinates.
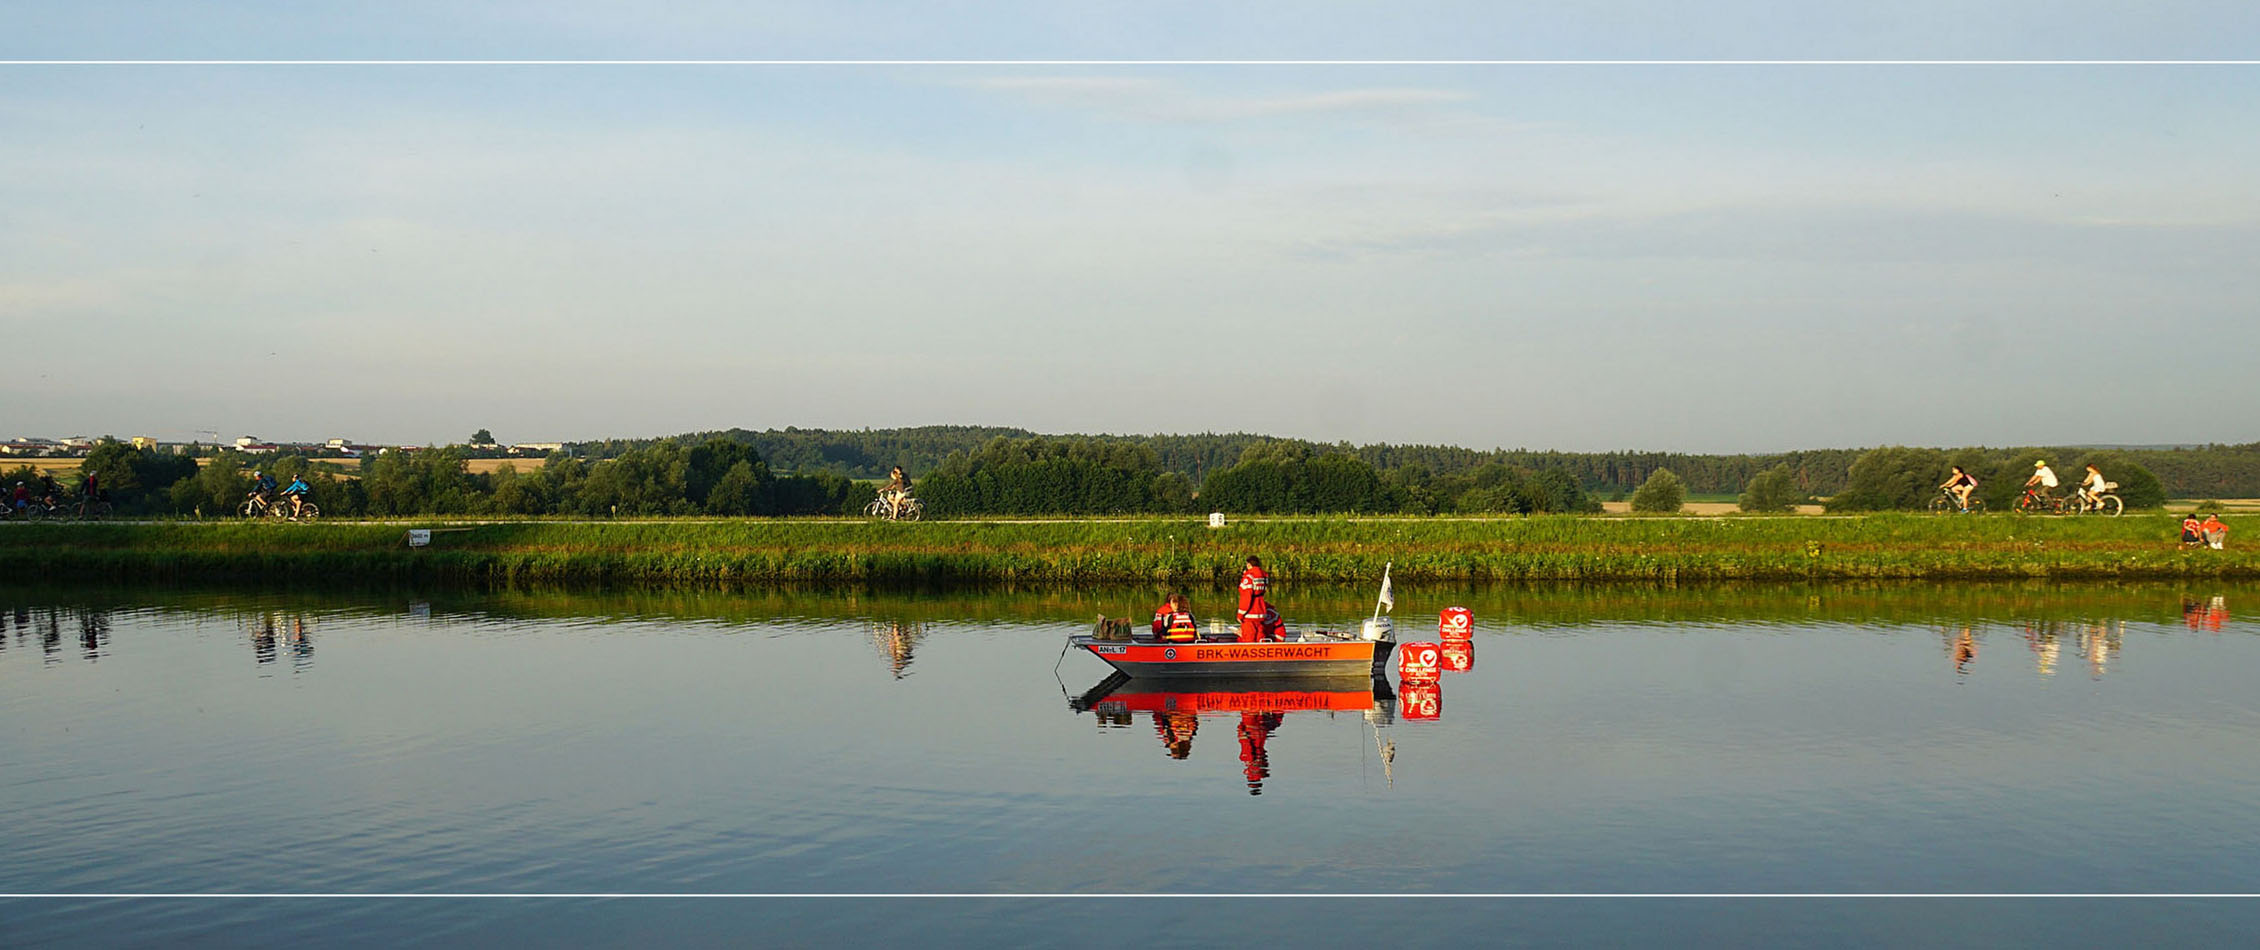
(1458, 656)
(1418, 662)
(1456, 623)
(1423, 702)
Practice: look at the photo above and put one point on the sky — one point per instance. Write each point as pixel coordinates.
(1708, 257)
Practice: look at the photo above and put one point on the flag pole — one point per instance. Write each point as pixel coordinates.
(1384, 588)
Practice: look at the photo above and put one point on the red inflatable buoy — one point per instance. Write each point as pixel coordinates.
(1423, 702)
(1418, 662)
(1456, 623)
(1458, 656)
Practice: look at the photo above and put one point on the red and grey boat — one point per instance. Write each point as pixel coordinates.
(1312, 654)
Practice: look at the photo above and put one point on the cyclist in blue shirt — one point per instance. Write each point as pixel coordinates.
(297, 494)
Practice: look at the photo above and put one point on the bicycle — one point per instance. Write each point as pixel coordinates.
(1947, 504)
(2106, 504)
(908, 510)
(255, 506)
(281, 511)
(2032, 502)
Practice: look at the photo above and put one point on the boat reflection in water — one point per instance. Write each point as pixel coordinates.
(1175, 709)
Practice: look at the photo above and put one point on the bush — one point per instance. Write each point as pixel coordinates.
(1774, 489)
(1663, 491)
(1893, 476)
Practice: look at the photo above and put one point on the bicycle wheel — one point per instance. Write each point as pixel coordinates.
(876, 509)
(912, 510)
(310, 512)
(1943, 505)
(101, 509)
(1977, 506)
(2027, 504)
(2109, 506)
(249, 509)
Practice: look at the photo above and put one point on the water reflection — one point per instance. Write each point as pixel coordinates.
(271, 632)
(1261, 707)
(1961, 648)
(2208, 615)
(896, 639)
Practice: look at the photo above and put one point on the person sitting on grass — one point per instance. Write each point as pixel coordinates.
(2216, 533)
(2193, 529)
(1961, 484)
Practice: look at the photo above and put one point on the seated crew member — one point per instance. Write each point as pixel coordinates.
(1273, 625)
(2043, 478)
(2092, 488)
(2193, 529)
(1961, 484)
(1174, 621)
(297, 494)
(1255, 588)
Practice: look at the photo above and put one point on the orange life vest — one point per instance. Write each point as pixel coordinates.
(1180, 628)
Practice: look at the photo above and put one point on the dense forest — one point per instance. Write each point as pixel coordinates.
(2210, 471)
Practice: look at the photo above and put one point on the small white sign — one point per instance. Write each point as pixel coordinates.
(1216, 519)
(418, 537)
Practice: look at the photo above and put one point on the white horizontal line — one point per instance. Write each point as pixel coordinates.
(639, 895)
(1130, 62)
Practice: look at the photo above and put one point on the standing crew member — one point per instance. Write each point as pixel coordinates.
(1255, 587)
(1174, 622)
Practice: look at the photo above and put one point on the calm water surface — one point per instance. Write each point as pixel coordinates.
(1722, 739)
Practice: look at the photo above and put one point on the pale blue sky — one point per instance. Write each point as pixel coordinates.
(1582, 257)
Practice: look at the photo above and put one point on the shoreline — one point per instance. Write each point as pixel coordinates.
(1170, 551)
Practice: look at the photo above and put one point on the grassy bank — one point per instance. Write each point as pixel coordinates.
(1164, 550)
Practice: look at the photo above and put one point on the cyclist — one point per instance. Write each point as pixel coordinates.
(262, 485)
(1961, 485)
(21, 499)
(896, 490)
(297, 494)
(2092, 488)
(50, 494)
(2043, 479)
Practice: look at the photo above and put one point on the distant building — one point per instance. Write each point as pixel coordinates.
(536, 448)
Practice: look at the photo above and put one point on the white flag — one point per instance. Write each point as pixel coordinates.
(1387, 601)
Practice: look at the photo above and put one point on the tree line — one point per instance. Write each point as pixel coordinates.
(1037, 475)
(2209, 471)
(715, 477)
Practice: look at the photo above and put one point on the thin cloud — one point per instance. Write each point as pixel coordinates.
(1158, 101)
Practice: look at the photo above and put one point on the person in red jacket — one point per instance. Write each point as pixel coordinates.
(1255, 587)
(1173, 621)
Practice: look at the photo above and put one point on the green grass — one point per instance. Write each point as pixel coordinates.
(1175, 551)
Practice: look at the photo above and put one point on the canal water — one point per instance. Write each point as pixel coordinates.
(1726, 740)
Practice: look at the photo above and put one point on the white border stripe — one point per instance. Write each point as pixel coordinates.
(642, 895)
(1130, 62)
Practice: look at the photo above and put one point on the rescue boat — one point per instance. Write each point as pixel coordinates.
(1304, 654)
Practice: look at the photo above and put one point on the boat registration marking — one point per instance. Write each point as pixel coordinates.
(1110, 650)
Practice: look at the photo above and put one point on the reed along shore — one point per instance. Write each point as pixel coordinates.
(1172, 551)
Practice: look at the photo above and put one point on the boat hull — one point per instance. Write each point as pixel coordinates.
(1314, 658)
